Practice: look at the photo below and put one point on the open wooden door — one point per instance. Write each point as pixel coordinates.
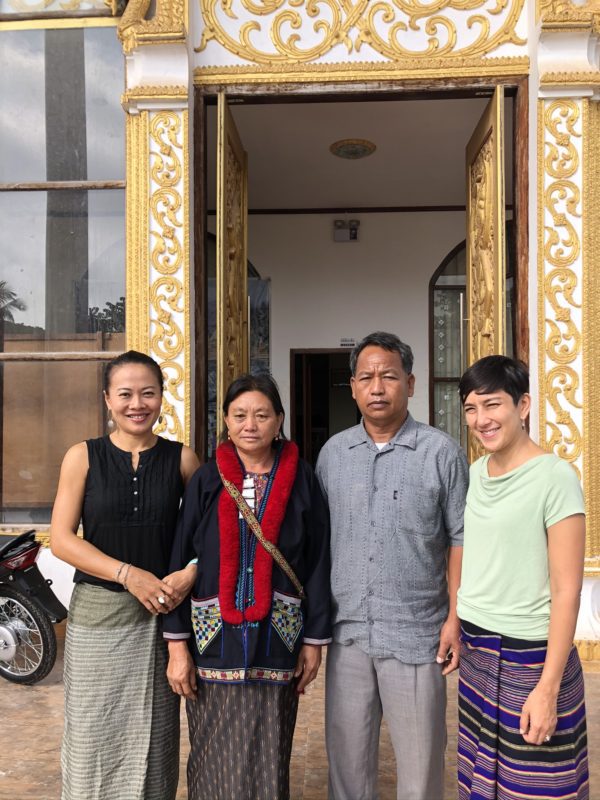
(231, 257)
(486, 249)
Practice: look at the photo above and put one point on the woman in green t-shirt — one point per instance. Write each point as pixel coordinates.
(522, 729)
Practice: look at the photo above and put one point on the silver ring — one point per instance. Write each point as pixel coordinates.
(547, 739)
(161, 599)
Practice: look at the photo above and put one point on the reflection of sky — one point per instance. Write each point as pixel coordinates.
(23, 159)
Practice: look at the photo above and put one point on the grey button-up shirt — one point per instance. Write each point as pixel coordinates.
(394, 513)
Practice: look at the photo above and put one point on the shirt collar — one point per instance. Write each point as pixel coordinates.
(405, 437)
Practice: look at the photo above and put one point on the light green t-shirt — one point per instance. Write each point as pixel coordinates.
(505, 585)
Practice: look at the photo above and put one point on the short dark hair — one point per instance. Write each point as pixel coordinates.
(261, 382)
(387, 341)
(132, 357)
(493, 374)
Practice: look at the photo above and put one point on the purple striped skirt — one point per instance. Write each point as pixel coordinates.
(497, 674)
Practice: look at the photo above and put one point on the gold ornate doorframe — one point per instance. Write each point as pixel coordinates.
(232, 260)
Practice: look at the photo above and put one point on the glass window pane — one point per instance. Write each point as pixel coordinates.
(446, 333)
(65, 257)
(32, 9)
(45, 408)
(72, 126)
(447, 411)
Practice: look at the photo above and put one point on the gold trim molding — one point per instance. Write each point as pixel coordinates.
(137, 252)
(350, 72)
(395, 30)
(58, 24)
(153, 94)
(591, 331)
(570, 78)
(559, 331)
(167, 26)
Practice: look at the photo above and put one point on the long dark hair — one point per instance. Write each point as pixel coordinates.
(261, 382)
(132, 357)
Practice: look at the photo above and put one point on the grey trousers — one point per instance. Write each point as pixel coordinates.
(412, 698)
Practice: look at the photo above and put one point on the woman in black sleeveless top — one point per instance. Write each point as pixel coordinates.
(121, 737)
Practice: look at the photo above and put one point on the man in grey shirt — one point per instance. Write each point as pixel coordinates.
(396, 491)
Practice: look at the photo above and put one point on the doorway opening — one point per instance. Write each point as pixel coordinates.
(408, 196)
(321, 403)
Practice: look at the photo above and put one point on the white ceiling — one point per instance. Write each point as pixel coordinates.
(419, 158)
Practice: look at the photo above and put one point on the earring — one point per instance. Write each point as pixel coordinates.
(278, 437)
(228, 437)
(110, 423)
(160, 419)
(522, 424)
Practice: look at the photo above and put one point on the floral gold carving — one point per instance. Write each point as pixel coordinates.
(168, 294)
(395, 29)
(167, 26)
(232, 292)
(559, 313)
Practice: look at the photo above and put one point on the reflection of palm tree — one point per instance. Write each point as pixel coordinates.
(9, 302)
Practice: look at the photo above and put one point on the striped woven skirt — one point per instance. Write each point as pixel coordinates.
(497, 674)
(121, 735)
(241, 741)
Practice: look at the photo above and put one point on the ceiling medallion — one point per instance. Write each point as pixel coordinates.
(352, 148)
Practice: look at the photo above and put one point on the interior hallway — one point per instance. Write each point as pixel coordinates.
(31, 727)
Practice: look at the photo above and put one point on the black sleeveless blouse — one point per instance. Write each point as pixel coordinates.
(131, 515)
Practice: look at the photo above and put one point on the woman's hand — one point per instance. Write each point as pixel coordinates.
(181, 672)
(149, 590)
(181, 582)
(309, 661)
(538, 716)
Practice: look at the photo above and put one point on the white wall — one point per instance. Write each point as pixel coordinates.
(323, 290)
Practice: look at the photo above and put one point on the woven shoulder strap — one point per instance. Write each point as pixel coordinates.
(254, 526)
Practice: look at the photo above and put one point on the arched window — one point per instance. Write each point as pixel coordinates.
(448, 335)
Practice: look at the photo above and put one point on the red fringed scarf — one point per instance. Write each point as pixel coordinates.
(229, 533)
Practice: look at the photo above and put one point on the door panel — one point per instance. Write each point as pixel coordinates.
(232, 275)
(486, 253)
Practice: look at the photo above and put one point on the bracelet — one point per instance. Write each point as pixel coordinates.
(124, 582)
(119, 572)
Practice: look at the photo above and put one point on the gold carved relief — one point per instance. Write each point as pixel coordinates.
(560, 249)
(167, 26)
(168, 294)
(396, 29)
(486, 271)
(232, 267)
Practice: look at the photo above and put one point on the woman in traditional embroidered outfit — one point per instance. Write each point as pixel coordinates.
(522, 728)
(254, 644)
(121, 736)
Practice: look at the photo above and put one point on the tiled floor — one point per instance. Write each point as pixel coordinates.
(31, 726)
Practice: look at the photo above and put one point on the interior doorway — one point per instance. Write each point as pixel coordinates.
(321, 403)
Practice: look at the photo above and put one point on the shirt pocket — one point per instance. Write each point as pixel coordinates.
(419, 513)
(207, 623)
(287, 619)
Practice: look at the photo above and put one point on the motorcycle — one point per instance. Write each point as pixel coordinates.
(28, 609)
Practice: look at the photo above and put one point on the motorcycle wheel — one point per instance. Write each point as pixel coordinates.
(26, 629)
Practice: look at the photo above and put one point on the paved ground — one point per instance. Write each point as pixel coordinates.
(31, 727)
